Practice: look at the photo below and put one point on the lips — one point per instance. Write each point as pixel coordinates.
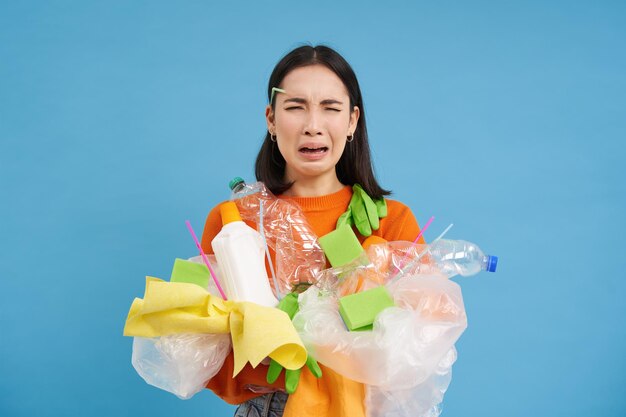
(312, 151)
(312, 148)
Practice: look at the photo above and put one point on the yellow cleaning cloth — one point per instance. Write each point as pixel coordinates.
(179, 307)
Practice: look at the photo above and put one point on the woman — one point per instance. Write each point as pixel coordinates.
(315, 150)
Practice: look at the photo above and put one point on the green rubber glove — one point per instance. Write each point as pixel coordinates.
(363, 212)
(289, 305)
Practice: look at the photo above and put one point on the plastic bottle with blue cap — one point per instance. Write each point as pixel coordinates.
(459, 257)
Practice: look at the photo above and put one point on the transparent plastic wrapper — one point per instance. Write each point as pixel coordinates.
(181, 364)
(401, 258)
(379, 265)
(299, 257)
(356, 276)
(407, 342)
(422, 400)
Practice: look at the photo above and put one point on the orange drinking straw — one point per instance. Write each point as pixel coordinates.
(206, 260)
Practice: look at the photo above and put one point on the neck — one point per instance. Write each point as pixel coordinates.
(314, 186)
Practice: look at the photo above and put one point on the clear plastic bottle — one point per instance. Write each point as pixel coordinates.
(299, 257)
(240, 254)
(459, 257)
(450, 257)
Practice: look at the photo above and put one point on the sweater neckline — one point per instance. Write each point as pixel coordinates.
(337, 199)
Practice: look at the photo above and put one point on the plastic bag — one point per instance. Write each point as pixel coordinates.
(422, 400)
(356, 276)
(396, 258)
(407, 342)
(181, 364)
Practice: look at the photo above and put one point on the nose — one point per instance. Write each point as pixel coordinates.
(312, 126)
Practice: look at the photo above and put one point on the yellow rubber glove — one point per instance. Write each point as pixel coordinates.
(363, 212)
(289, 305)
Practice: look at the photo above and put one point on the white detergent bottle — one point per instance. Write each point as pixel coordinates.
(241, 256)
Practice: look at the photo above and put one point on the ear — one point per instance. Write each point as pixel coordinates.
(269, 118)
(354, 118)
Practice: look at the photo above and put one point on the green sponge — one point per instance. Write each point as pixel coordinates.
(191, 272)
(341, 246)
(359, 310)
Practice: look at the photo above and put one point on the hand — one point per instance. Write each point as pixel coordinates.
(289, 305)
(292, 377)
(363, 212)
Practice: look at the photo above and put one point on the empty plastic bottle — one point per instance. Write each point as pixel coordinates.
(240, 254)
(459, 257)
(299, 257)
(450, 257)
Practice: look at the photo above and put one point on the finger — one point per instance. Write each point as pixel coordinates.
(359, 215)
(290, 304)
(345, 218)
(381, 205)
(273, 371)
(292, 378)
(370, 208)
(313, 366)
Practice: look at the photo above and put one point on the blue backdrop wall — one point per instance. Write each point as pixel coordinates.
(119, 120)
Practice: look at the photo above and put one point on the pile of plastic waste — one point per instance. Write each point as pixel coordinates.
(389, 318)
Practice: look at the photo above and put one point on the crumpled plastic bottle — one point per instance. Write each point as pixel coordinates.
(299, 257)
(448, 257)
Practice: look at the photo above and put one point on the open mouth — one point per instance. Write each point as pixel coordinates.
(315, 150)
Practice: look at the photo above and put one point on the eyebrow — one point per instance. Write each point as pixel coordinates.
(303, 101)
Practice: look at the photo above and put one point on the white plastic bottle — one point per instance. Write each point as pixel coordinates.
(241, 256)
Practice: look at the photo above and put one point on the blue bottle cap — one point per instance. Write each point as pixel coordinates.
(492, 263)
(235, 182)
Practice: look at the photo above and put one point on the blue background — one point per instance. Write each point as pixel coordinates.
(119, 120)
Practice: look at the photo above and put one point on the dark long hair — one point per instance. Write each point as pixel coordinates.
(355, 164)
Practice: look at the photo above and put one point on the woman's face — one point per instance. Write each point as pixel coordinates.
(311, 121)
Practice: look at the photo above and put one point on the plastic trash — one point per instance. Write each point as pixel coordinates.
(422, 400)
(181, 364)
(299, 257)
(359, 275)
(407, 342)
(239, 250)
(448, 257)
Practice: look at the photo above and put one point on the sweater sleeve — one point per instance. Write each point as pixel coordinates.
(400, 223)
(212, 227)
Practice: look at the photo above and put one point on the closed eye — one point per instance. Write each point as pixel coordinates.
(333, 109)
(294, 108)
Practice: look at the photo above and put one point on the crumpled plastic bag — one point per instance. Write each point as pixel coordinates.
(181, 364)
(406, 359)
(422, 400)
(356, 276)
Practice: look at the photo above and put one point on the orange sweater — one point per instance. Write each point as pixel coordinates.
(330, 395)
